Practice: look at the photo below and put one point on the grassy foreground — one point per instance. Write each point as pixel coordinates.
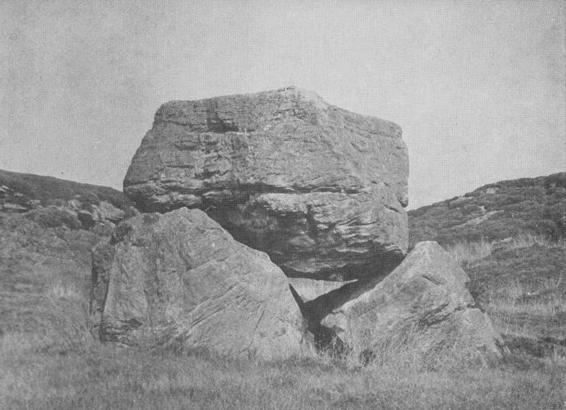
(37, 375)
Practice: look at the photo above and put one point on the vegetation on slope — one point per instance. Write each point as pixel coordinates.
(20, 189)
(495, 212)
(521, 284)
(36, 262)
(53, 202)
(509, 237)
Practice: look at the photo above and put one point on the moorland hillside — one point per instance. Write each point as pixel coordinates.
(509, 237)
(495, 212)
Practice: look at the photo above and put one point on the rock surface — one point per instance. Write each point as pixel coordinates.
(320, 189)
(422, 307)
(179, 279)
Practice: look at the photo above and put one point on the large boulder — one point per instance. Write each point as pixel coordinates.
(422, 308)
(179, 279)
(320, 189)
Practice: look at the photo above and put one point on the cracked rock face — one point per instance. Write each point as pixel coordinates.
(179, 279)
(320, 189)
(423, 307)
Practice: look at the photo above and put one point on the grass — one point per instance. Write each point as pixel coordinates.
(101, 377)
(468, 252)
(519, 298)
(65, 368)
(49, 189)
(520, 282)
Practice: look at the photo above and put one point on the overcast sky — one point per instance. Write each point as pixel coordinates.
(477, 86)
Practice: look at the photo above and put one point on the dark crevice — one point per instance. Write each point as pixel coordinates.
(246, 190)
(216, 124)
(352, 269)
(391, 208)
(433, 316)
(320, 307)
(432, 280)
(325, 339)
(314, 311)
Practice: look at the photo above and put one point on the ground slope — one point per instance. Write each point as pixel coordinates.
(509, 237)
(495, 211)
(47, 229)
(23, 189)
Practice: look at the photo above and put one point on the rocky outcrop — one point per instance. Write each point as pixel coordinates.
(75, 214)
(30, 191)
(423, 307)
(179, 279)
(99, 213)
(53, 202)
(320, 189)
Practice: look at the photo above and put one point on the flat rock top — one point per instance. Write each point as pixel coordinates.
(253, 108)
(249, 112)
(286, 140)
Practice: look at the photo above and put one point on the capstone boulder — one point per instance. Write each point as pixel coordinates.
(320, 189)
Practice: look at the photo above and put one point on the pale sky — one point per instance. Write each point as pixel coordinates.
(477, 86)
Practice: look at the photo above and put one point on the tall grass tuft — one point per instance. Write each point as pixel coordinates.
(67, 311)
(468, 252)
(528, 240)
